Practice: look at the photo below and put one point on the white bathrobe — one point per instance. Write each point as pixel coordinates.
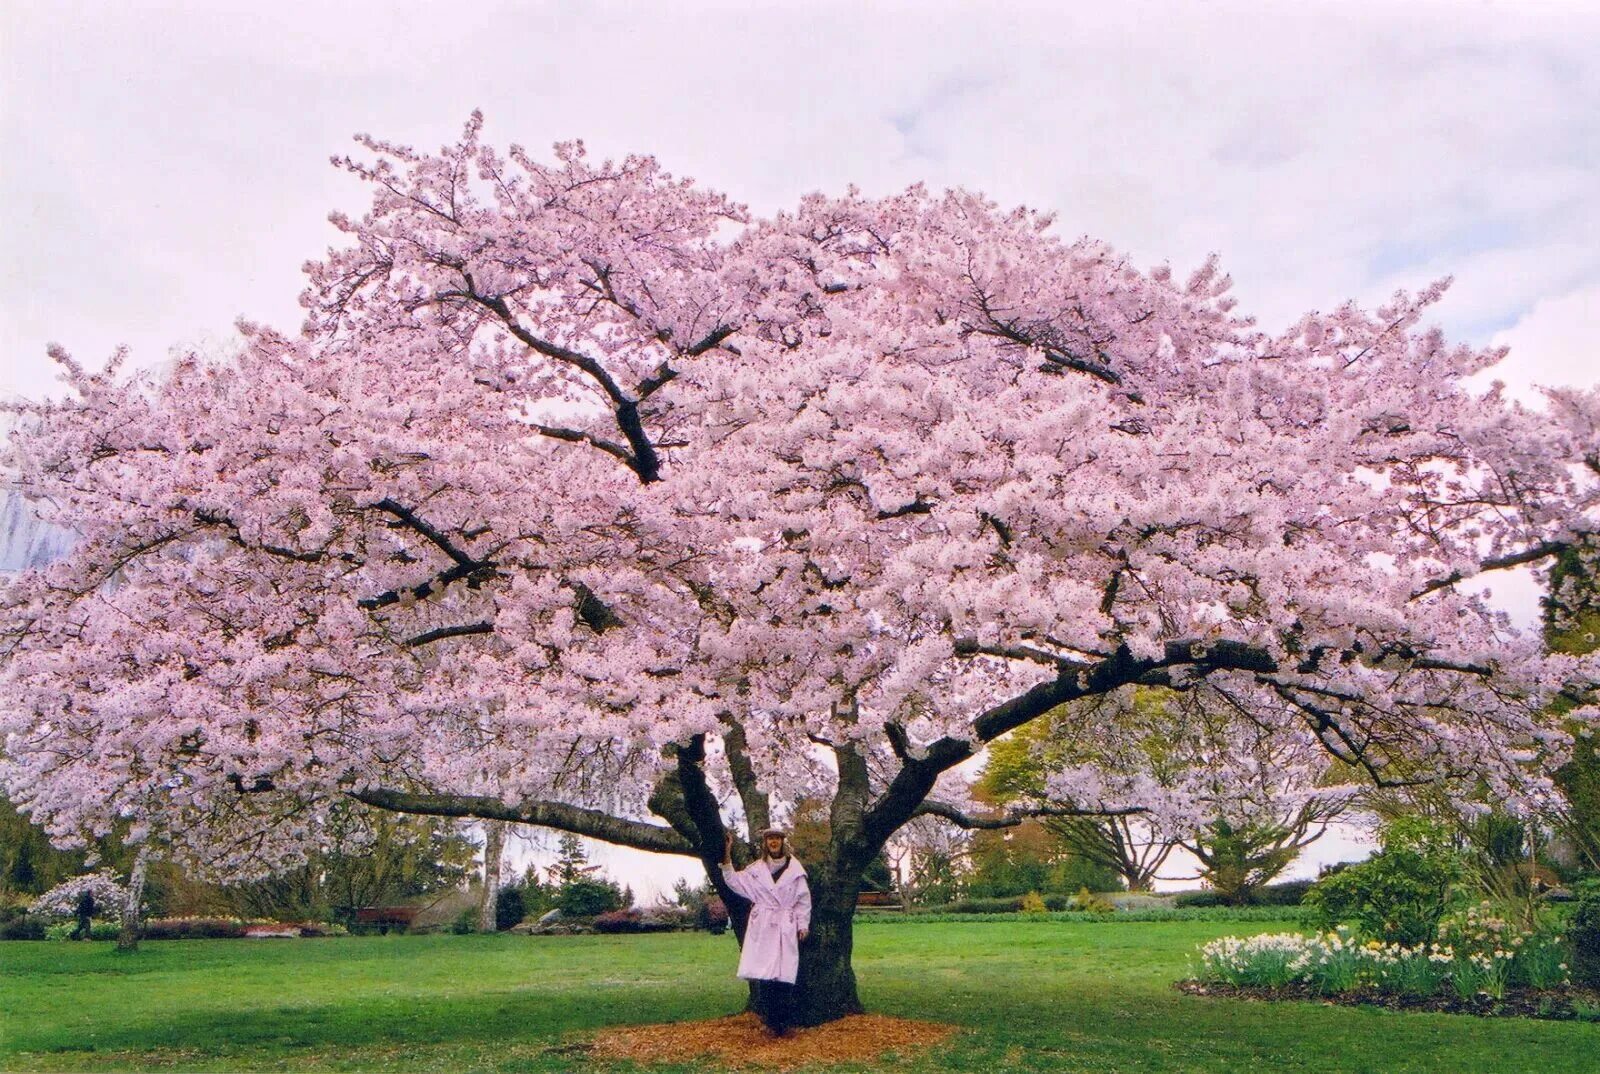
(778, 912)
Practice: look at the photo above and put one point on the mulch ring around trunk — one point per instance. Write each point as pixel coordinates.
(1559, 1004)
(742, 1041)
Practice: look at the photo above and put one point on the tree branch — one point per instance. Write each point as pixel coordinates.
(1514, 559)
(440, 633)
(577, 436)
(1016, 815)
(438, 539)
(644, 461)
(757, 806)
(567, 818)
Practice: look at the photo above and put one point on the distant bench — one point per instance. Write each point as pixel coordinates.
(384, 918)
(878, 900)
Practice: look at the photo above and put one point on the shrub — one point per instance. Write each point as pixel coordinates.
(101, 891)
(1331, 963)
(68, 930)
(193, 928)
(1411, 971)
(1033, 903)
(1490, 953)
(1335, 963)
(1584, 930)
(1398, 895)
(936, 914)
(466, 922)
(1288, 893)
(1197, 899)
(1270, 960)
(26, 927)
(712, 915)
(985, 906)
(1087, 901)
(628, 921)
(619, 921)
(509, 907)
(670, 918)
(586, 897)
(1541, 962)
(1479, 954)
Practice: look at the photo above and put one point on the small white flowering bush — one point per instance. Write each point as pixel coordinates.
(1478, 954)
(62, 900)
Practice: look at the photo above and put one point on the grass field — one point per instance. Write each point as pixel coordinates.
(1056, 996)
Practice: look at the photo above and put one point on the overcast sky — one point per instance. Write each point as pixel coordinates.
(164, 167)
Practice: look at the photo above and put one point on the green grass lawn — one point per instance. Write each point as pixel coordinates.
(1058, 996)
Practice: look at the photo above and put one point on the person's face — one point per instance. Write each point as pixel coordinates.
(774, 845)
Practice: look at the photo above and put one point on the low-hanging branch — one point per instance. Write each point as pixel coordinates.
(594, 823)
(1017, 814)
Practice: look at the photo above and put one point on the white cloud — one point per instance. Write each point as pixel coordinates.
(1554, 344)
(169, 167)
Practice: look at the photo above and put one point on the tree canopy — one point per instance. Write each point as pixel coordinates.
(586, 498)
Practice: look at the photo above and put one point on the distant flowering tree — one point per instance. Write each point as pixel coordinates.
(586, 499)
(1241, 799)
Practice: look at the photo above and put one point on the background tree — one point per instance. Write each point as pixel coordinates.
(1238, 860)
(29, 864)
(579, 889)
(929, 860)
(586, 500)
(1030, 858)
(810, 833)
(572, 862)
(489, 909)
(1133, 845)
(367, 859)
(1243, 804)
(1572, 627)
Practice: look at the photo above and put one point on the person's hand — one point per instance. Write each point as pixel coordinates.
(803, 934)
(727, 847)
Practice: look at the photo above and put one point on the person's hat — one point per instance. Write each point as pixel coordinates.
(774, 831)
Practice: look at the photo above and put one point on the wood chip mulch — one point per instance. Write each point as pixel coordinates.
(742, 1041)
(1558, 1004)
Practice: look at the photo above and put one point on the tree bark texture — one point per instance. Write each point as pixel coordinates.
(133, 910)
(493, 850)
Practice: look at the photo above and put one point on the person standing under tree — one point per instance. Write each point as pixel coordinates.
(780, 920)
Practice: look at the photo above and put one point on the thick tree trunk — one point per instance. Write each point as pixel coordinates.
(133, 909)
(826, 987)
(493, 849)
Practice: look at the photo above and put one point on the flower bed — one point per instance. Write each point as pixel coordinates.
(1562, 1004)
(232, 928)
(1481, 963)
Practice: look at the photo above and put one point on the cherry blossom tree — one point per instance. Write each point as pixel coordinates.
(584, 498)
(1243, 800)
